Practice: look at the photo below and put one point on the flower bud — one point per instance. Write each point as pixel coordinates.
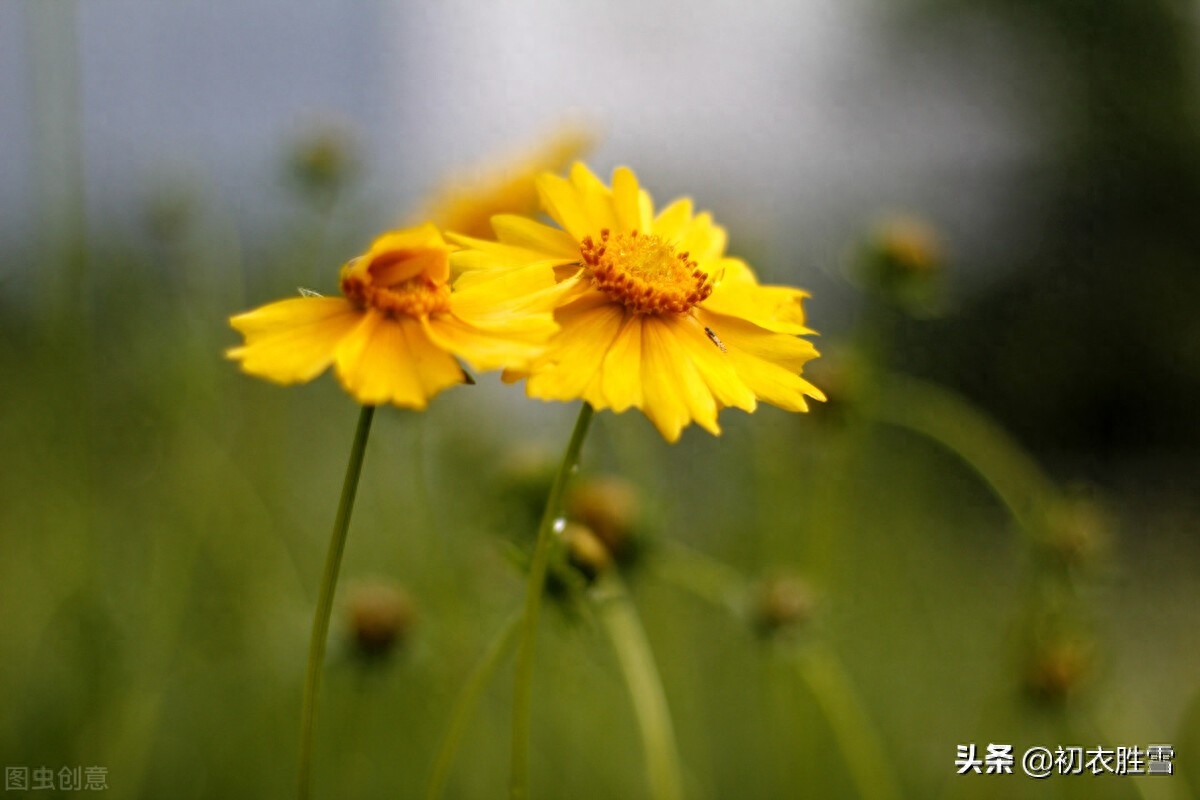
(1056, 669)
(324, 160)
(609, 507)
(381, 616)
(902, 261)
(585, 551)
(781, 605)
(1076, 530)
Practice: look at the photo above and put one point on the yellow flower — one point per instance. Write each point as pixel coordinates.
(653, 314)
(467, 203)
(395, 334)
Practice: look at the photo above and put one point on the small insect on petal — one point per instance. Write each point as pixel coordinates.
(712, 337)
(308, 292)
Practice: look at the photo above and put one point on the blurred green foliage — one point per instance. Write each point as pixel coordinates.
(164, 519)
(835, 601)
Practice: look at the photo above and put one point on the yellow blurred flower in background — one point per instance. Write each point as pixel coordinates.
(467, 202)
(396, 333)
(654, 315)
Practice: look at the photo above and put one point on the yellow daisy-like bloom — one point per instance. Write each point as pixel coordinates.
(653, 314)
(468, 202)
(395, 334)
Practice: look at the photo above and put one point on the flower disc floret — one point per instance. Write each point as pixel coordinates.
(416, 297)
(644, 273)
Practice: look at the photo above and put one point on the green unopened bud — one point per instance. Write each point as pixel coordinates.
(585, 551)
(610, 508)
(381, 617)
(781, 605)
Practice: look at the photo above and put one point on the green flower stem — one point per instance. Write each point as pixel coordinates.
(320, 627)
(714, 582)
(620, 618)
(468, 700)
(949, 420)
(856, 738)
(523, 686)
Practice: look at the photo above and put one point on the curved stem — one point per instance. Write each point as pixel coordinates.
(620, 619)
(856, 737)
(320, 627)
(464, 706)
(943, 417)
(523, 686)
(701, 575)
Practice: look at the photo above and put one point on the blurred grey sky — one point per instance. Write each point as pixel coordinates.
(793, 119)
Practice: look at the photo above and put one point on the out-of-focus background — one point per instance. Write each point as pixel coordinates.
(989, 535)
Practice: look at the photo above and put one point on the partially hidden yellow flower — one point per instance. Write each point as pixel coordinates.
(654, 315)
(396, 333)
(467, 202)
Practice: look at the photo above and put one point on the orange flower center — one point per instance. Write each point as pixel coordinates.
(419, 296)
(644, 273)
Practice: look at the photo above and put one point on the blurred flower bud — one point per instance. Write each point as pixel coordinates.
(1076, 530)
(381, 616)
(1056, 669)
(585, 551)
(902, 260)
(781, 605)
(609, 507)
(324, 160)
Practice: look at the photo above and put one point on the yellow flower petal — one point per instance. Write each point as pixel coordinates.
(435, 368)
(735, 272)
(673, 220)
(562, 203)
(776, 308)
(595, 197)
(532, 235)
(674, 392)
(482, 255)
(621, 380)
(706, 352)
(490, 292)
(571, 365)
(767, 362)
(627, 202)
(376, 365)
(483, 348)
(703, 240)
(292, 341)
(747, 337)
(399, 255)
(466, 204)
